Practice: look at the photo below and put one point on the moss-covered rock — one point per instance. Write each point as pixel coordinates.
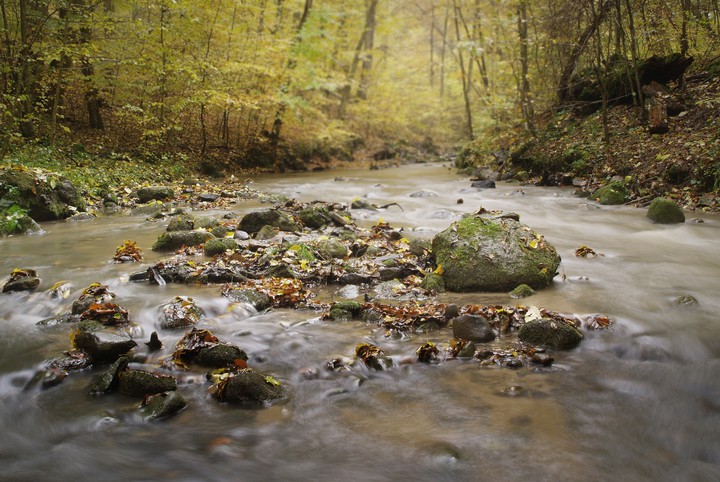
(332, 248)
(344, 310)
(182, 222)
(611, 194)
(665, 211)
(177, 239)
(315, 217)
(267, 232)
(45, 195)
(480, 253)
(556, 335)
(254, 221)
(219, 245)
(155, 193)
(142, 382)
(220, 355)
(220, 231)
(22, 280)
(259, 300)
(522, 291)
(162, 405)
(248, 387)
(433, 282)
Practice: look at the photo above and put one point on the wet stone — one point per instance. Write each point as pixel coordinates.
(159, 193)
(22, 280)
(259, 300)
(141, 382)
(248, 387)
(103, 347)
(181, 312)
(472, 328)
(108, 380)
(220, 355)
(550, 333)
(163, 405)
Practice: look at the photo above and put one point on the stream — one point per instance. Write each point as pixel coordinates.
(640, 401)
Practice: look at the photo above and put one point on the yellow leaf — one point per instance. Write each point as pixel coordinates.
(439, 270)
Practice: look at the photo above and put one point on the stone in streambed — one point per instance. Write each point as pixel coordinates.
(220, 355)
(45, 195)
(556, 335)
(140, 382)
(248, 387)
(472, 328)
(259, 300)
(522, 291)
(163, 405)
(218, 246)
(174, 240)
(103, 347)
(155, 193)
(22, 280)
(612, 193)
(108, 380)
(181, 312)
(491, 253)
(665, 211)
(254, 221)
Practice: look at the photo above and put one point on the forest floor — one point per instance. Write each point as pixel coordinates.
(682, 164)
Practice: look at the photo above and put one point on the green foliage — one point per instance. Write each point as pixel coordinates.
(11, 217)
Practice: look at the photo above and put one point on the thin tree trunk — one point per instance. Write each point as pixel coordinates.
(563, 90)
(524, 83)
(367, 63)
(464, 77)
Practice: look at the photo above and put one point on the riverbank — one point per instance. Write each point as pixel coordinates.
(682, 164)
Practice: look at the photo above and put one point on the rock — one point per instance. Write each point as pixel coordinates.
(155, 193)
(22, 279)
(482, 254)
(208, 197)
(81, 217)
(220, 355)
(248, 387)
(362, 204)
(177, 239)
(686, 300)
(162, 405)
(259, 300)
(467, 351)
(315, 217)
(206, 223)
(182, 222)
(665, 211)
(267, 232)
(218, 246)
(355, 279)
(25, 225)
(60, 319)
(484, 184)
(522, 291)
(433, 282)
(254, 221)
(45, 195)
(281, 270)
(419, 247)
(151, 209)
(220, 231)
(556, 335)
(612, 193)
(423, 193)
(103, 347)
(141, 382)
(181, 312)
(154, 344)
(332, 248)
(521, 176)
(344, 310)
(108, 380)
(241, 235)
(472, 328)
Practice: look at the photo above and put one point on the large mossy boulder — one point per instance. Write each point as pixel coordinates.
(611, 194)
(486, 253)
(254, 221)
(173, 240)
(665, 211)
(45, 195)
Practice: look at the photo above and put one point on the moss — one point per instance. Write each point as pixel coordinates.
(183, 222)
(433, 282)
(176, 239)
(665, 211)
(218, 246)
(556, 335)
(611, 194)
(474, 225)
(522, 291)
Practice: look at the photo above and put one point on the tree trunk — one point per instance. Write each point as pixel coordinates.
(367, 63)
(524, 84)
(563, 90)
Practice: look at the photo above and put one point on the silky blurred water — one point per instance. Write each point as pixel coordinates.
(639, 402)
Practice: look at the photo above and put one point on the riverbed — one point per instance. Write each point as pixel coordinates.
(638, 402)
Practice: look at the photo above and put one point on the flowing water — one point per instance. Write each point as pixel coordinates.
(638, 402)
